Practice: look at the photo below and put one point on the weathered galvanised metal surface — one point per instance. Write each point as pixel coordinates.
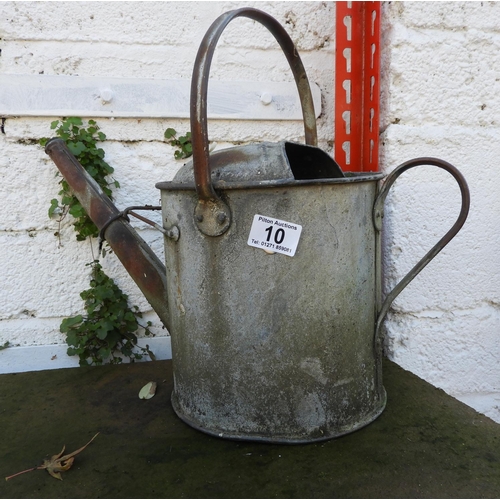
(275, 347)
(265, 346)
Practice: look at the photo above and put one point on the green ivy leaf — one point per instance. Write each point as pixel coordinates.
(76, 148)
(70, 323)
(169, 133)
(76, 120)
(54, 205)
(77, 211)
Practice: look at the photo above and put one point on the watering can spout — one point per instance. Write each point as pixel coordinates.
(139, 260)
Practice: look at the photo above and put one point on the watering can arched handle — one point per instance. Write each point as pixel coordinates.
(212, 215)
(378, 214)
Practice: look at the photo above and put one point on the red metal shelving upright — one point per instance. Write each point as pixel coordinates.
(357, 85)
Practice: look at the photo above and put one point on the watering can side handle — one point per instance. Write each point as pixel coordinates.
(378, 214)
(212, 215)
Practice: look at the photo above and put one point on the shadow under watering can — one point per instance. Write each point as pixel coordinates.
(271, 288)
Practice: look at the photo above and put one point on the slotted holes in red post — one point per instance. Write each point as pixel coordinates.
(357, 85)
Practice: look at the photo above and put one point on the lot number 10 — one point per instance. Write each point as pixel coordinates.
(279, 235)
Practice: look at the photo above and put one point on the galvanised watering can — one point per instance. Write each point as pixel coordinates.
(272, 286)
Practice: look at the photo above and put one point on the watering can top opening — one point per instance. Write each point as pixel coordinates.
(268, 164)
(264, 164)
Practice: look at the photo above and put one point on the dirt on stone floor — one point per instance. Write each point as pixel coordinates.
(425, 444)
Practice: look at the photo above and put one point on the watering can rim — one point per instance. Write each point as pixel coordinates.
(350, 178)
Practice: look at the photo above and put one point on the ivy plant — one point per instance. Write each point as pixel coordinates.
(82, 142)
(182, 143)
(107, 332)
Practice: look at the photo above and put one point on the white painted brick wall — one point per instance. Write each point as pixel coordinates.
(441, 78)
(440, 98)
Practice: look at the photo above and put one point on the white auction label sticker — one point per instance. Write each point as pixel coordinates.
(274, 235)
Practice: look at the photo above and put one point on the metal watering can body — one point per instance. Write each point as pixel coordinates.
(272, 347)
(273, 339)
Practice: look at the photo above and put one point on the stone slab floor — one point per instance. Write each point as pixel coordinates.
(425, 444)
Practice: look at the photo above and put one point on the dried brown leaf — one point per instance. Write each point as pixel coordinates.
(57, 463)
